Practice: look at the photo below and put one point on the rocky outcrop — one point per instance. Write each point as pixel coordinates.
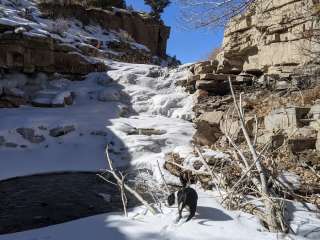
(275, 37)
(32, 53)
(141, 27)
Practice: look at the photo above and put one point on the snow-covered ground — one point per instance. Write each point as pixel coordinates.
(210, 222)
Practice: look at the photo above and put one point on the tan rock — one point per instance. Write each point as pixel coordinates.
(206, 134)
(285, 119)
(216, 87)
(213, 118)
(273, 35)
(217, 77)
(205, 69)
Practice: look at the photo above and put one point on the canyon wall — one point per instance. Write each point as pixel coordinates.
(141, 27)
(275, 37)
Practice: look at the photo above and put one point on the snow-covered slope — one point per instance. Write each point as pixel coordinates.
(149, 102)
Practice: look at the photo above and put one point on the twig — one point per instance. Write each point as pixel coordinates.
(125, 186)
(213, 177)
(273, 216)
(162, 177)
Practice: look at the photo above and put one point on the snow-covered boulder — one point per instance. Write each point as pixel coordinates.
(53, 99)
(14, 92)
(61, 131)
(62, 99)
(29, 134)
(2, 140)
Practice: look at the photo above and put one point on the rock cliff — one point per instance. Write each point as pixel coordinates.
(141, 27)
(275, 37)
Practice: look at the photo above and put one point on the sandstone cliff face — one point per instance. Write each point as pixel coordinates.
(40, 54)
(142, 28)
(274, 37)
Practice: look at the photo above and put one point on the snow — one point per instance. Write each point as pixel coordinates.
(81, 150)
(64, 30)
(210, 222)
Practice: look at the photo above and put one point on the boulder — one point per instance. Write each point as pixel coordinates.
(206, 134)
(147, 132)
(232, 128)
(215, 87)
(213, 118)
(285, 118)
(198, 95)
(99, 133)
(29, 134)
(10, 145)
(275, 140)
(16, 92)
(62, 99)
(204, 69)
(2, 140)
(61, 131)
(301, 144)
(12, 101)
(217, 77)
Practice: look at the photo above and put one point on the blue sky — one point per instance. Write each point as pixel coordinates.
(187, 45)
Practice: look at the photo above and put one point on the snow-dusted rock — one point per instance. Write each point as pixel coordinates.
(16, 80)
(125, 128)
(154, 73)
(16, 92)
(61, 131)
(41, 101)
(20, 30)
(62, 99)
(124, 110)
(53, 99)
(29, 134)
(109, 94)
(99, 133)
(10, 145)
(2, 140)
(60, 83)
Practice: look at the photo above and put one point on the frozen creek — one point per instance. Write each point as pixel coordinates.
(106, 111)
(111, 111)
